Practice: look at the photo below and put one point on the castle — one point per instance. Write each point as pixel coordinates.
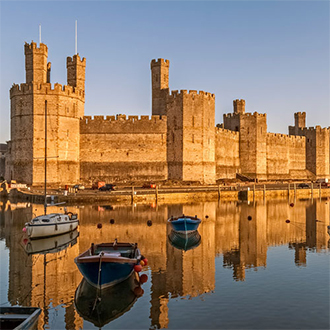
(179, 142)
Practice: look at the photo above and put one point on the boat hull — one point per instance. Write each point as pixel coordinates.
(111, 273)
(48, 230)
(184, 224)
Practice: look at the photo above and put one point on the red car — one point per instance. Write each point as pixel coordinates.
(149, 185)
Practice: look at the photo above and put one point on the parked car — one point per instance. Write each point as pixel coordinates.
(98, 184)
(108, 187)
(79, 187)
(149, 185)
(303, 185)
(325, 184)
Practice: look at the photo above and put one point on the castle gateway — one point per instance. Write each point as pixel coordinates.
(179, 142)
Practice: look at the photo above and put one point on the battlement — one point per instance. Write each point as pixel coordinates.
(159, 62)
(239, 106)
(314, 129)
(220, 130)
(75, 60)
(193, 93)
(122, 124)
(248, 114)
(28, 48)
(45, 88)
(300, 113)
(285, 137)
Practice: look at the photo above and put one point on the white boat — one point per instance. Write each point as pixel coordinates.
(51, 225)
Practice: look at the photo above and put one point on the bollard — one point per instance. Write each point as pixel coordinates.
(219, 192)
(132, 194)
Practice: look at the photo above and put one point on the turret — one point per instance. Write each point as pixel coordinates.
(76, 71)
(239, 106)
(36, 62)
(300, 119)
(159, 83)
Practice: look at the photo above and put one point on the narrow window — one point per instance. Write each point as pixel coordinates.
(236, 129)
(193, 121)
(261, 130)
(193, 138)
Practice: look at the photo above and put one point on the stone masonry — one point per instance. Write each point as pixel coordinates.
(179, 141)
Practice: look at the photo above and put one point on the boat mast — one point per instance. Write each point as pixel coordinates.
(45, 203)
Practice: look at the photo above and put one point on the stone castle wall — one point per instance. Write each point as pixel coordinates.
(285, 153)
(114, 149)
(227, 153)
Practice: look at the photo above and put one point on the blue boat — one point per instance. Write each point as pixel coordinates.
(184, 223)
(185, 240)
(104, 265)
(19, 318)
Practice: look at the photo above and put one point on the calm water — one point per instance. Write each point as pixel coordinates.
(247, 268)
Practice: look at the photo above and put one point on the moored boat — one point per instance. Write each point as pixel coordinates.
(184, 223)
(19, 318)
(51, 225)
(107, 264)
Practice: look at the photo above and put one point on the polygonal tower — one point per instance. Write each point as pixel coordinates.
(160, 87)
(65, 106)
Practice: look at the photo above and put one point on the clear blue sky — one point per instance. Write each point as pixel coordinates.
(273, 54)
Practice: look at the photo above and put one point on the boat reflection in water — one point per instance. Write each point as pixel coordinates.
(101, 306)
(52, 244)
(184, 240)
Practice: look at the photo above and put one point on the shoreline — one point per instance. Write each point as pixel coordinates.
(166, 195)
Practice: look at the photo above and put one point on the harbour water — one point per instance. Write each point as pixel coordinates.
(262, 265)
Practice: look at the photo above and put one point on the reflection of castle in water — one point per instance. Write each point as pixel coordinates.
(240, 232)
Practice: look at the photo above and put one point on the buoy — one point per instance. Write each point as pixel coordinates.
(112, 221)
(137, 268)
(24, 229)
(292, 205)
(145, 260)
(149, 223)
(206, 217)
(287, 221)
(142, 263)
(249, 218)
(143, 278)
(99, 225)
(138, 291)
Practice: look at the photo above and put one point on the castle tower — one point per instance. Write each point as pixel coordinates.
(191, 136)
(252, 130)
(76, 71)
(299, 123)
(36, 62)
(239, 106)
(159, 84)
(65, 106)
(317, 145)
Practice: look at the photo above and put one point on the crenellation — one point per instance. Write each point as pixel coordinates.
(160, 61)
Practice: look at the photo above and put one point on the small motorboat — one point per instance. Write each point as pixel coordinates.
(103, 306)
(52, 244)
(185, 240)
(53, 224)
(19, 318)
(107, 264)
(184, 223)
